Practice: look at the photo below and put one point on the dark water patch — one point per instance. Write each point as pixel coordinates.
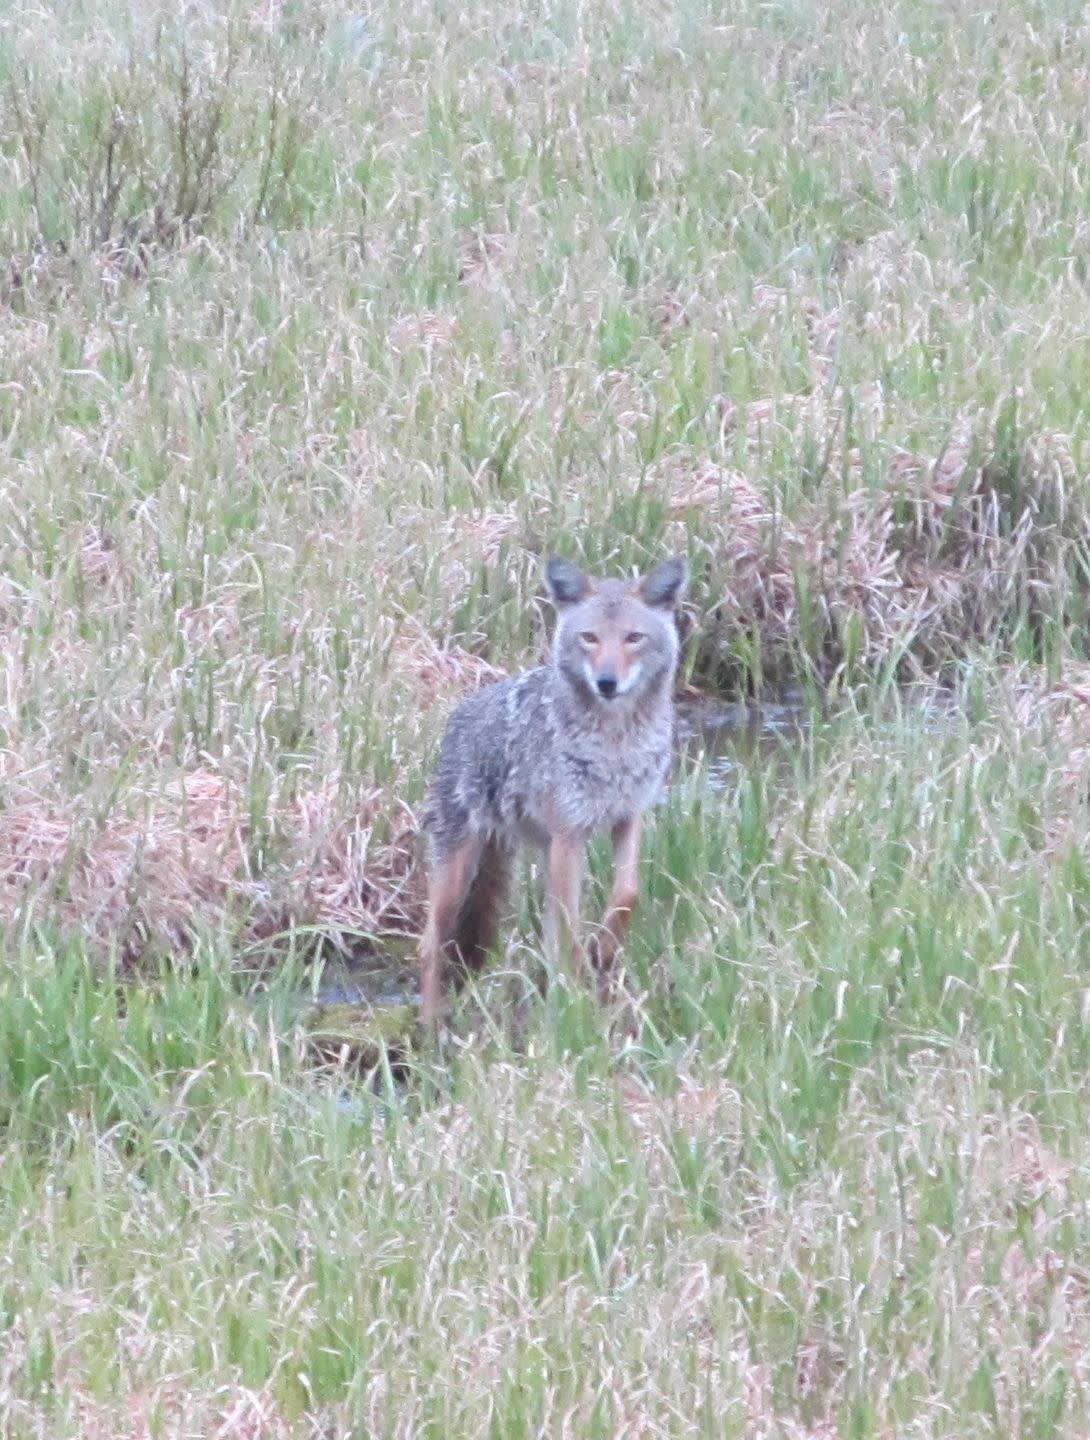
(727, 737)
(358, 1014)
(377, 987)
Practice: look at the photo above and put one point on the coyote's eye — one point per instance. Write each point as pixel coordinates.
(635, 638)
(588, 637)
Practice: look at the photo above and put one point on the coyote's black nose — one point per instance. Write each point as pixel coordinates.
(607, 686)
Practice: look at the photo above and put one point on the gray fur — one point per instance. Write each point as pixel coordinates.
(566, 583)
(524, 757)
(662, 587)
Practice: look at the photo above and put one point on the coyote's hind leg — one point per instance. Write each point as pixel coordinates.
(449, 885)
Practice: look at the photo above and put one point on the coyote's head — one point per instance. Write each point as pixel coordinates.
(616, 638)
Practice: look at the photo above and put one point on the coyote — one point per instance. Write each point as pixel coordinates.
(550, 758)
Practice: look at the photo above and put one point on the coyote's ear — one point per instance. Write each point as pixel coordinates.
(662, 586)
(567, 583)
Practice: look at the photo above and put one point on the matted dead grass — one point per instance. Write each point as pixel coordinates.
(941, 555)
(150, 878)
(164, 1405)
(441, 674)
(428, 331)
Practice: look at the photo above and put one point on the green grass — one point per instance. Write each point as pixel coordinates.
(318, 327)
(827, 1167)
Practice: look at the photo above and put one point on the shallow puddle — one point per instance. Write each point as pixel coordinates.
(729, 736)
(361, 1010)
(368, 981)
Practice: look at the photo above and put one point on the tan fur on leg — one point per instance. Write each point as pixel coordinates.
(447, 891)
(624, 896)
(562, 902)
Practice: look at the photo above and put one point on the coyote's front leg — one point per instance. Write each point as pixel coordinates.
(625, 895)
(562, 901)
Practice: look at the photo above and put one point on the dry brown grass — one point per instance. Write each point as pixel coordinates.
(934, 559)
(441, 674)
(151, 880)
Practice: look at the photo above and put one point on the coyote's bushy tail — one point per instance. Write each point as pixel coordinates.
(481, 911)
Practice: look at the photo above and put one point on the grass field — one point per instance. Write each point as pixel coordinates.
(319, 325)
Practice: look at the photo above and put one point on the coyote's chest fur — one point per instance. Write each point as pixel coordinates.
(560, 765)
